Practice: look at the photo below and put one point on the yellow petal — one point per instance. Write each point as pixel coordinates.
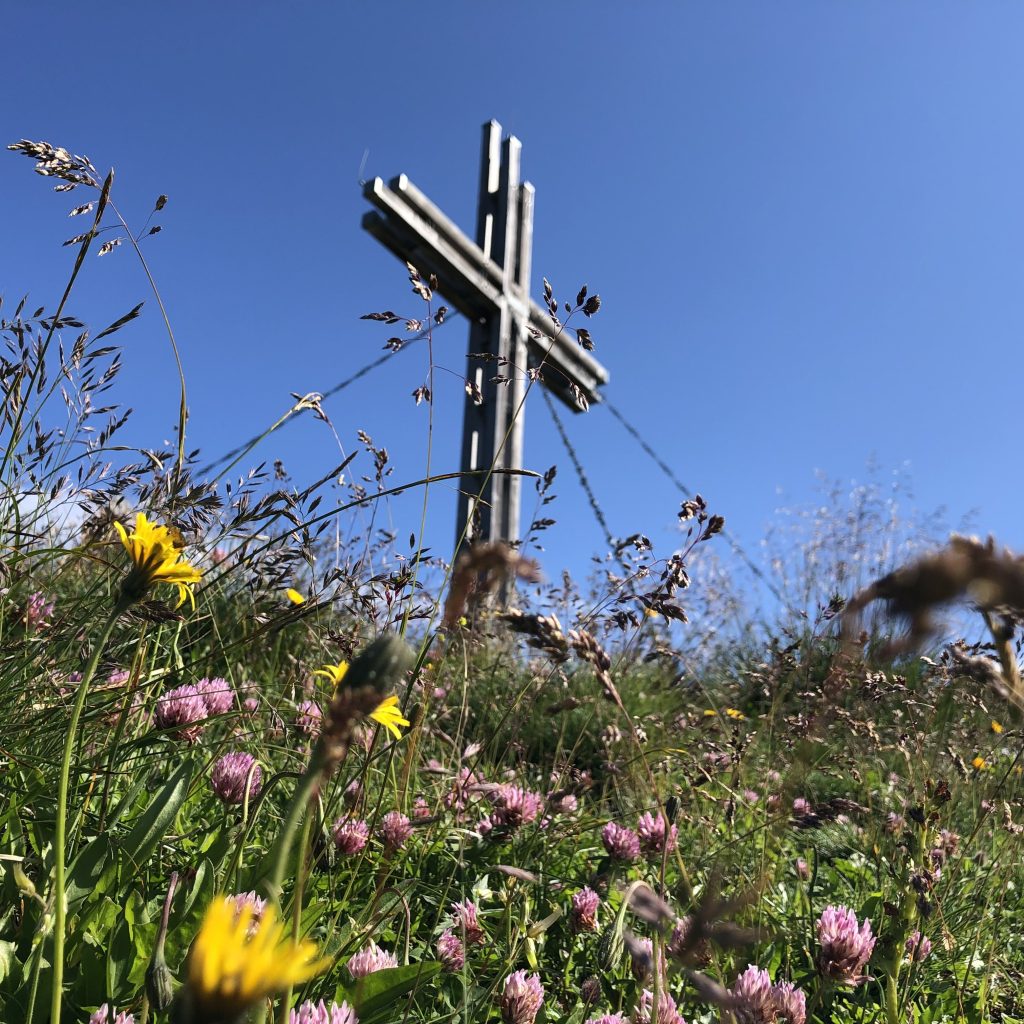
(294, 596)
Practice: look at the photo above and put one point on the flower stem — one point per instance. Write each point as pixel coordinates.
(892, 1009)
(60, 826)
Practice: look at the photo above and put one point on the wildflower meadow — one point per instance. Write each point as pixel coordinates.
(258, 765)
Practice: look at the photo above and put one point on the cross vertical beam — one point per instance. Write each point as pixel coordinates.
(488, 281)
(492, 426)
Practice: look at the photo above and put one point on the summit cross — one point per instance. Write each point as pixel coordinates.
(489, 283)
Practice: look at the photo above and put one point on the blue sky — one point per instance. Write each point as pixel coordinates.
(804, 220)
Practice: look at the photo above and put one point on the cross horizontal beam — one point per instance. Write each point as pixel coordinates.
(414, 229)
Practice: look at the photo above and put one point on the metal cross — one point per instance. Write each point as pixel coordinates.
(489, 283)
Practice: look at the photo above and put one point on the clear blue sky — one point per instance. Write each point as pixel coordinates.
(805, 221)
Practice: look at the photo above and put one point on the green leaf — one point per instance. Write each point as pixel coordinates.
(157, 818)
(376, 992)
(201, 893)
(86, 871)
(8, 963)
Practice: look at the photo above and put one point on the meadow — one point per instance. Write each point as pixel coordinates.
(256, 766)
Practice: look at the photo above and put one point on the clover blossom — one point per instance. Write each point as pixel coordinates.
(318, 1013)
(521, 998)
(394, 830)
(350, 835)
(651, 832)
(621, 843)
(845, 948)
(450, 951)
(370, 960)
(583, 917)
(231, 779)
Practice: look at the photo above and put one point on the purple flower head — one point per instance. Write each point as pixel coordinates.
(790, 1003)
(651, 831)
(420, 808)
(515, 806)
(753, 1000)
(465, 921)
(803, 870)
(608, 1018)
(522, 998)
(584, 910)
(317, 1013)
(717, 759)
(590, 990)
(450, 951)
(252, 705)
(217, 693)
(918, 947)
(369, 960)
(751, 796)
(563, 803)
(894, 823)
(231, 774)
(38, 612)
(845, 948)
(105, 1015)
(947, 845)
(181, 710)
(248, 899)
(621, 843)
(801, 807)
(394, 830)
(119, 676)
(350, 835)
(309, 718)
(462, 791)
(667, 1012)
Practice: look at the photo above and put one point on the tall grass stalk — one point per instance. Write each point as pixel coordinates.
(60, 824)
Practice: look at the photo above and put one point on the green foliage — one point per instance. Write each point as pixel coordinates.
(797, 774)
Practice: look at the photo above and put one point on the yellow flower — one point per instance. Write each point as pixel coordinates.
(294, 596)
(710, 713)
(388, 714)
(231, 970)
(156, 558)
(733, 713)
(333, 672)
(996, 727)
(979, 762)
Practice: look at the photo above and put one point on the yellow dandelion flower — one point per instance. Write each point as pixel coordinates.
(996, 727)
(333, 672)
(734, 713)
(234, 965)
(389, 715)
(710, 713)
(156, 558)
(979, 762)
(294, 596)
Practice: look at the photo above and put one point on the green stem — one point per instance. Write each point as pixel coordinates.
(36, 970)
(892, 1008)
(282, 847)
(300, 879)
(60, 827)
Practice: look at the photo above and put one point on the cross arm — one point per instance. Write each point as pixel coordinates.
(415, 230)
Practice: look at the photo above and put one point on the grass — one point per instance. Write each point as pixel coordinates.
(796, 765)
